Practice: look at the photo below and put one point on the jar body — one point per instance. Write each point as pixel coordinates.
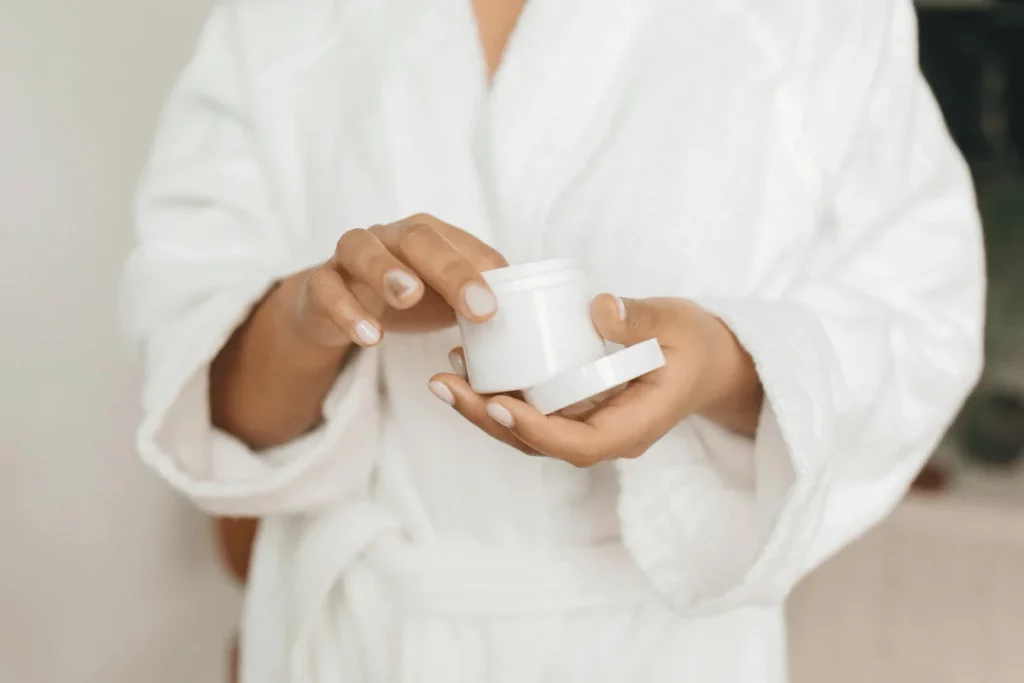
(542, 328)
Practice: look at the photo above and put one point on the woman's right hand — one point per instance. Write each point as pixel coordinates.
(409, 276)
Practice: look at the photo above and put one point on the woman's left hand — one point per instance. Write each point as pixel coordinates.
(707, 372)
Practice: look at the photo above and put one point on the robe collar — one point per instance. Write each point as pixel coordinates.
(494, 160)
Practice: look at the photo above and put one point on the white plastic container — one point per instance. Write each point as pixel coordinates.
(543, 342)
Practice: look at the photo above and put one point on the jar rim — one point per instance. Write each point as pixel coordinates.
(536, 274)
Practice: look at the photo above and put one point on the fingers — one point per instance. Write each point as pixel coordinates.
(482, 257)
(456, 392)
(644, 401)
(619, 423)
(422, 244)
(333, 314)
(628, 321)
(578, 411)
(622, 427)
(365, 259)
(575, 442)
(418, 260)
(457, 359)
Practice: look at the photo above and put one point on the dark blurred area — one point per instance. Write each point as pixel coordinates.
(973, 55)
(972, 52)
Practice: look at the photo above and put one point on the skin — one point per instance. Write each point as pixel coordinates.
(269, 381)
(495, 20)
(707, 373)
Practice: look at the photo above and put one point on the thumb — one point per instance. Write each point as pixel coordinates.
(626, 321)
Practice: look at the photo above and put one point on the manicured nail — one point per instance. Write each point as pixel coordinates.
(479, 300)
(458, 364)
(620, 305)
(399, 283)
(367, 332)
(500, 414)
(441, 390)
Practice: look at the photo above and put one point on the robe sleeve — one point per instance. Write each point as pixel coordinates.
(213, 237)
(865, 359)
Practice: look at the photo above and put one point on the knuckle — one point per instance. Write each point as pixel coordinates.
(420, 219)
(414, 235)
(377, 264)
(350, 241)
(577, 462)
(455, 271)
(320, 279)
(581, 459)
(320, 285)
(639, 320)
(377, 230)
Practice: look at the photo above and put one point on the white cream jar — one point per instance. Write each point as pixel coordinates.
(543, 342)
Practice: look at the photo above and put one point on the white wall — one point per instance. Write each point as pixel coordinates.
(105, 577)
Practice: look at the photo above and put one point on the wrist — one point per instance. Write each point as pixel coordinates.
(268, 382)
(732, 394)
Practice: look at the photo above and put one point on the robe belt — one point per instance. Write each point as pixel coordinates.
(363, 537)
(506, 582)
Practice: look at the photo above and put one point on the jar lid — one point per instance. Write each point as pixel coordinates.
(607, 373)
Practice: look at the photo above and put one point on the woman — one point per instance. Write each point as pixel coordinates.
(766, 187)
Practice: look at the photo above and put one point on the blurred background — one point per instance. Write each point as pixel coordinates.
(106, 577)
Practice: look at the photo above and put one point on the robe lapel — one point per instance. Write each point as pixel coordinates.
(550, 105)
(435, 92)
(494, 162)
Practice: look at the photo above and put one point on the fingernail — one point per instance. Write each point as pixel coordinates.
(441, 390)
(399, 283)
(367, 332)
(479, 300)
(620, 305)
(500, 414)
(458, 365)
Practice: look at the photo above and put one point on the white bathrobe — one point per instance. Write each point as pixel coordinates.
(780, 162)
